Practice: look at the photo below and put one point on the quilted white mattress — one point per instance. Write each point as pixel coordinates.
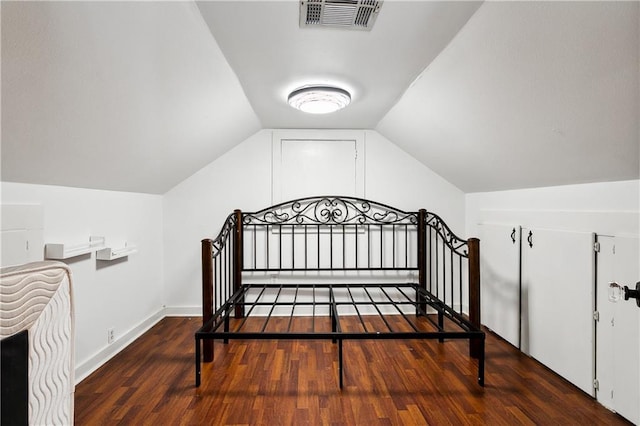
(38, 297)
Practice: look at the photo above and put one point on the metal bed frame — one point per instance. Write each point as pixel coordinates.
(306, 243)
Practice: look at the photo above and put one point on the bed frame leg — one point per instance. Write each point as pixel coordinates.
(197, 362)
(226, 328)
(334, 324)
(340, 372)
(440, 324)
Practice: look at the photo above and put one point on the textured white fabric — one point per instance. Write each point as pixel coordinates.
(38, 297)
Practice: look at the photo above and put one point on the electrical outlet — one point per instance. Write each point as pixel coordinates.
(110, 336)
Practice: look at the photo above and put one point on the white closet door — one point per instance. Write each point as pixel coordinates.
(618, 332)
(499, 265)
(558, 299)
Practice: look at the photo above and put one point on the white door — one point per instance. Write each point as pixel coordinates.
(558, 302)
(318, 168)
(309, 163)
(618, 330)
(499, 265)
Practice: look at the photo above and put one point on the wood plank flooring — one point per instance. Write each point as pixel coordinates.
(296, 383)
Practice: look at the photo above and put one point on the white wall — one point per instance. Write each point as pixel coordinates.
(196, 208)
(125, 295)
(395, 178)
(604, 208)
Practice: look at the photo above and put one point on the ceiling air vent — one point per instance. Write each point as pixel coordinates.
(348, 14)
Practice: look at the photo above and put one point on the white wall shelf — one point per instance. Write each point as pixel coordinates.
(109, 253)
(63, 251)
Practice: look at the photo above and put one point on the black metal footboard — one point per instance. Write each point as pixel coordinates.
(377, 311)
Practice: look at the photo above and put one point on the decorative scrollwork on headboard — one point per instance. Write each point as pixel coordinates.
(223, 237)
(330, 210)
(455, 243)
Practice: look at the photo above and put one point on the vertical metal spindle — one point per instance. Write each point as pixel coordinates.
(393, 245)
(279, 246)
(344, 247)
(223, 273)
(331, 246)
(460, 283)
(381, 247)
(368, 245)
(228, 268)
(255, 254)
(437, 266)
(444, 269)
(227, 272)
(222, 276)
(268, 256)
(406, 245)
(444, 272)
(293, 247)
(305, 246)
(356, 241)
(452, 297)
(430, 260)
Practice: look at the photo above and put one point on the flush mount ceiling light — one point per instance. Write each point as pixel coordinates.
(319, 99)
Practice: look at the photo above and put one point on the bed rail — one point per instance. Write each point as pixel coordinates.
(339, 234)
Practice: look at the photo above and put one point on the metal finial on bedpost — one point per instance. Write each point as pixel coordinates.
(422, 257)
(238, 256)
(475, 345)
(207, 294)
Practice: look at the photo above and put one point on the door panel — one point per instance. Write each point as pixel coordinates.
(558, 299)
(499, 265)
(310, 162)
(318, 167)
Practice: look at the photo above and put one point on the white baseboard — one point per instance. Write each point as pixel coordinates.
(96, 361)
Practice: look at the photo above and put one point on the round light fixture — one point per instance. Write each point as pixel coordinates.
(319, 99)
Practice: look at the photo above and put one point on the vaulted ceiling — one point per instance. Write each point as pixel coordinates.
(137, 96)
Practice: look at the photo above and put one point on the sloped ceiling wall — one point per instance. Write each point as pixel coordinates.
(137, 96)
(132, 98)
(529, 94)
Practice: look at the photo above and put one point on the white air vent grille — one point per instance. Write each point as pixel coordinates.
(350, 14)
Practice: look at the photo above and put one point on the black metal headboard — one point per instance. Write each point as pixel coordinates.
(334, 233)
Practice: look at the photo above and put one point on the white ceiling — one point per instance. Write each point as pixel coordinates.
(138, 96)
(272, 55)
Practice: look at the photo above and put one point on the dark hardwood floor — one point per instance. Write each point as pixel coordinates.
(296, 383)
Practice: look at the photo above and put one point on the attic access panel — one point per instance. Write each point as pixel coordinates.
(347, 14)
